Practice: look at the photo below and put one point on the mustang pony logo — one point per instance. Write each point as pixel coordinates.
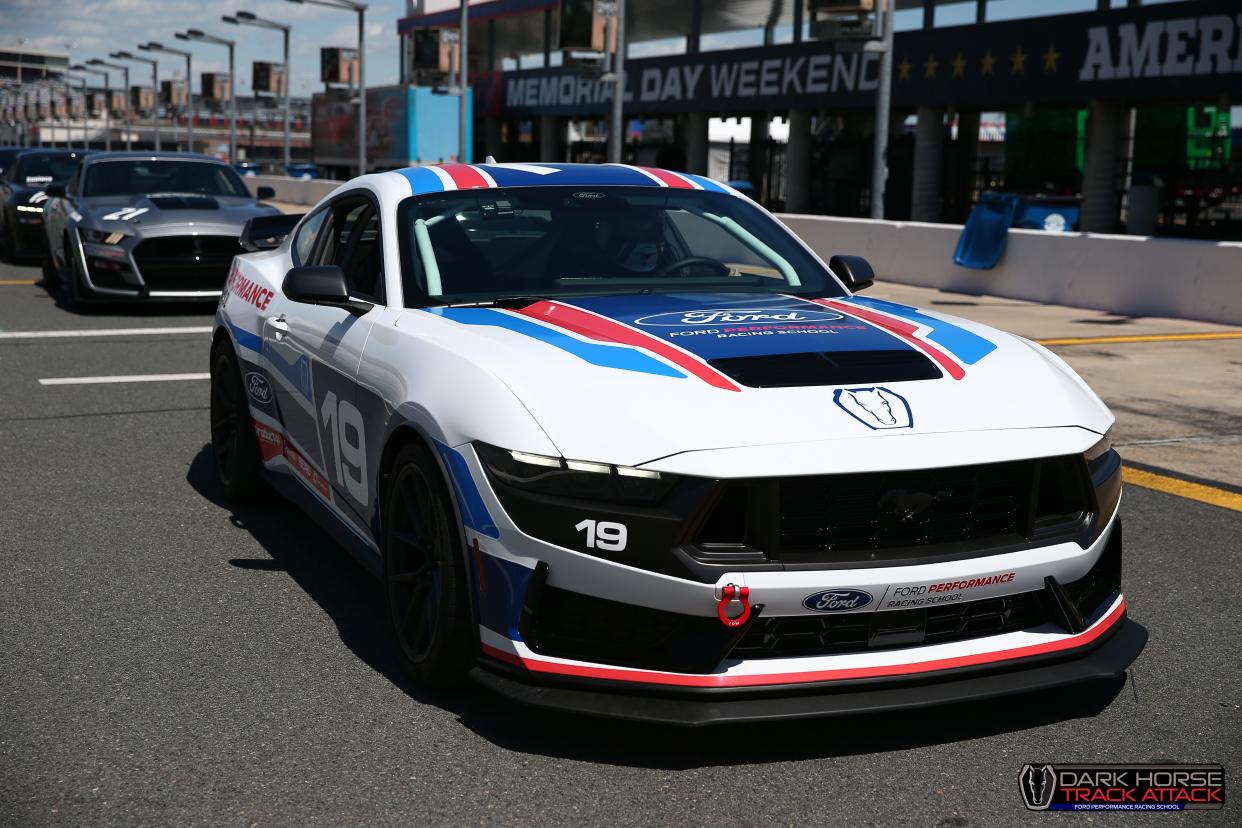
(875, 408)
(906, 505)
(736, 316)
(1038, 783)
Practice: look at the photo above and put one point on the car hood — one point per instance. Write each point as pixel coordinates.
(631, 379)
(150, 214)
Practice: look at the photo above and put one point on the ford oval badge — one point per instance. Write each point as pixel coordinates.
(837, 600)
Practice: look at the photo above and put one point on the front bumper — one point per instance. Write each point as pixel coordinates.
(1112, 648)
(183, 271)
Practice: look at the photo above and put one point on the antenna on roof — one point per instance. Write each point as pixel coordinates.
(491, 159)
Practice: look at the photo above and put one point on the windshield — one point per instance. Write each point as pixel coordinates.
(6, 158)
(39, 170)
(479, 245)
(141, 176)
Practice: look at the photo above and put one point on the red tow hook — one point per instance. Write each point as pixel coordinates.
(732, 593)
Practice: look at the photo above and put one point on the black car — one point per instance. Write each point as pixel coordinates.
(23, 198)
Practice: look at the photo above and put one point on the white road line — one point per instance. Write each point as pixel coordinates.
(196, 329)
(130, 378)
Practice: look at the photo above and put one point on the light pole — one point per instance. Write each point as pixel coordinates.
(361, 9)
(155, 89)
(77, 67)
(85, 129)
(463, 57)
(129, 141)
(245, 18)
(883, 96)
(189, 86)
(202, 37)
(616, 135)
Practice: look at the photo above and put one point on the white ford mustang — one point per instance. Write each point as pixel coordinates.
(617, 442)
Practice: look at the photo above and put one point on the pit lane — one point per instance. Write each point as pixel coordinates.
(170, 660)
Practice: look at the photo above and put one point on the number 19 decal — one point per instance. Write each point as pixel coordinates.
(349, 445)
(603, 534)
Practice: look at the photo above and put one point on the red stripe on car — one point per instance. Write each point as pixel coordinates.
(603, 329)
(725, 680)
(669, 179)
(903, 329)
(465, 176)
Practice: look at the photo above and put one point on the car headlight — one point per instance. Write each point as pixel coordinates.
(578, 479)
(29, 208)
(1100, 449)
(101, 236)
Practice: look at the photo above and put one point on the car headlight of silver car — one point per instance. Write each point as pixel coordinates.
(102, 236)
(578, 479)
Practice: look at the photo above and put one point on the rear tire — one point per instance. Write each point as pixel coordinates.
(425, 578)
(233, 443)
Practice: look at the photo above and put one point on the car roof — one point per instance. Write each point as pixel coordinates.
(435, 178)
(152, 156)
(51, 151)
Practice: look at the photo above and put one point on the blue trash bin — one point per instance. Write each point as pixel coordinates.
(1051, 215)
(302, 170)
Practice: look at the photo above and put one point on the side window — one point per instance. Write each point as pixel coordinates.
(353, 244)
(304, 243)
(71, 186)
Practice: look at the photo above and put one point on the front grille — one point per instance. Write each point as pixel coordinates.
(186, 262)
(899, 509)
(897, 516)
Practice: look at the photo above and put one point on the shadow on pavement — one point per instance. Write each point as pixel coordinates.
(354, 601)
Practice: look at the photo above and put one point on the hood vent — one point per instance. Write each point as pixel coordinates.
(184, 202)
(828, 368)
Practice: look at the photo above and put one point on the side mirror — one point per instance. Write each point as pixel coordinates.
(54, 190)
(322, 285)
(855, 271)
(265, 192)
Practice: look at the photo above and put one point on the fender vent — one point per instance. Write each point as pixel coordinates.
(828, 368)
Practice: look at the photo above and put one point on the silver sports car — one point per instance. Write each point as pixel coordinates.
(131, 226)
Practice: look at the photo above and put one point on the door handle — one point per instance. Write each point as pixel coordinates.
(280, 328)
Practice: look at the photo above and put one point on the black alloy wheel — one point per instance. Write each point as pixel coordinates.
(424, 574)
(233, 443)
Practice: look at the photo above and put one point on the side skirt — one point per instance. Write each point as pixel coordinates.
(293, 491)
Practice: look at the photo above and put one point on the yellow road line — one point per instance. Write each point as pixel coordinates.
(17, 281)
(1118, 340)
(1183, 488)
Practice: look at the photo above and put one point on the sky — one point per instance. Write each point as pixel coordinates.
(93, 28)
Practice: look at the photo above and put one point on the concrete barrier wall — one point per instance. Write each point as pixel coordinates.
(293, 190)
(1127, 275)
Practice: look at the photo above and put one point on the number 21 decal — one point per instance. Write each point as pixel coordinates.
(349, 445)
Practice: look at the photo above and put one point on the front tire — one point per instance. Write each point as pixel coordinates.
(425, 580)
(51, 275)
(233, 443)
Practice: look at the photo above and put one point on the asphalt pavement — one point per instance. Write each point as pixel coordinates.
(169, 660)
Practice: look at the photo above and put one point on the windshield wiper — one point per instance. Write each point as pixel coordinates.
(499, 302)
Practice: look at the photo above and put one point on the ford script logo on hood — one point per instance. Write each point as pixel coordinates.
(837, 600)
(258, 387)
(736, 316)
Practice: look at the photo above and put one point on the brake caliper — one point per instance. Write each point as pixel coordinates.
(731, 594)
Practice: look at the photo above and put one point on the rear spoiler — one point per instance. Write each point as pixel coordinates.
(267, 232)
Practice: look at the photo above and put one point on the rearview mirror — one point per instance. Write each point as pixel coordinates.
(855, 271)
(54, 190)
(322, 285)
(265, 192)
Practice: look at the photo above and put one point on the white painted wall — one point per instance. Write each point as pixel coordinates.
(1129, 275)
(292, 190)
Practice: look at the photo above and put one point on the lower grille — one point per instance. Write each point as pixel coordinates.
(572, 625)
(186, 262)
(829, 635)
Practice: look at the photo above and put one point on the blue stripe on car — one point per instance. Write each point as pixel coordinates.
(246, 339)
(966, 346)
(473, 510)
(422, 180)
(605, 356)
(502, 590)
